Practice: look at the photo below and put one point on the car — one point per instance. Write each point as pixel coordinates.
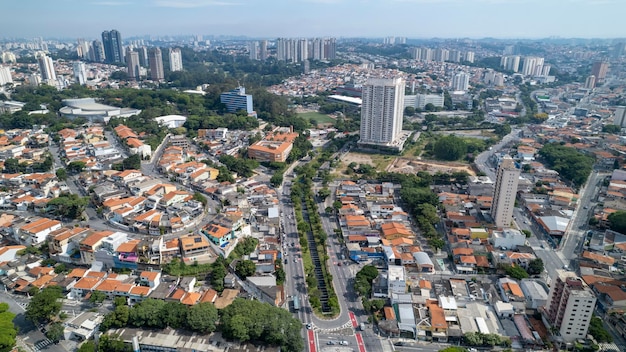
(286, 261)
(586, 207)
(399, 343)
(330, 342)
(344, 343)
(309, 326)
(295, 260)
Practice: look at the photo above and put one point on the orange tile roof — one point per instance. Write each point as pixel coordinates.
(468, 259)
(108, 285)
(96, 237)
(77, 272)
(605, 259)
(86, 283)
(462, 251)
(149, 275)
(178, 294)
(42, 281)
(437, 317)
(513, 288)
(139, 291)
(190, 298)
(209, 295)
(128, 247)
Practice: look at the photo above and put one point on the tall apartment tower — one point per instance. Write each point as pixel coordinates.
(155, 58)
(570, 306)
(80, 73)
(599, 69)
(253, 49)
(505, 192)
(382, 111)
(143, 56)
(132, 61)
(263, 50)
(590, 82)
(46, 66)
(469, 56)
(460, 81)
(5, 75)
(176, 60)
(619, 118)
(96, 51)
(112, 41)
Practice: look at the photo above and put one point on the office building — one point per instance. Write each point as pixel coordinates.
(253, 49)
(505, 192)
(599, 69)
(155, 58)
(263, 50)
(590, 82)
(96, 51)
(382, 111)
(570, 306)
(5, 75)
(112, 42)
(132, 61)
(80, 73)
(460, 82)
(236, 100)
(176, 60)
(46, 67)
(619, 118)
(419, 101)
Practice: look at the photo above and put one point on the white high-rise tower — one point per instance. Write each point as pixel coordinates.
(176, 60)
(46, 66)
(80, 73)
(382, 111)
(505, 192)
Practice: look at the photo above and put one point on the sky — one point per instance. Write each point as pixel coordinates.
(311, 18)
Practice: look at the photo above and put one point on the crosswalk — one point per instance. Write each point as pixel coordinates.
(610, 347)
(42, 344)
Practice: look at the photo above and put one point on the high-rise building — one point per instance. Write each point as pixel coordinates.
(529, 68)
(236, 100)
(82, 49)
(112, 41)
(46, 66)
(510, 63)
(253, 49)
(619, 118)
(155, 58)
(599, 69)
(298, 50)
(8, 57)
(80, 73)
(570, 307)
(590, 82)
(143, 56)
(504, 193)
(263, 50)
(176, 60)
(460, 81)
(469, 56)
(132, 62)
(5, 75)
(455, 55)
(442, 55)
(96, 51)
(382, 111)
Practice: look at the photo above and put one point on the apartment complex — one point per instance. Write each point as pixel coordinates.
(382, 111)
(505, 192)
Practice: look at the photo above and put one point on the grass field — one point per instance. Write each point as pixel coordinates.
(320, 118)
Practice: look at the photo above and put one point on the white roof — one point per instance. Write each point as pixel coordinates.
(448, 303)
(422, 258)
(350, 100)
(555, 223)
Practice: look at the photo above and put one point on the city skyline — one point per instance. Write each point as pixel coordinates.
(310, 18)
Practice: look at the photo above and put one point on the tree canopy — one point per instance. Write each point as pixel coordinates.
(363, 280)
(617, 221)
(44, 305)
(449, 148)
(571, 164)
(8, 332)
(68, 205)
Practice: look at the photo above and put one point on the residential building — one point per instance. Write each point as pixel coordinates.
(78, 68)
(46, 66)
(619, 118)
(176, 60)
(263, 50)
(599, 70)
(460, 82)
(96, 51)
(236, 100)
(155, 58)
(5, 75)
(112, 42)
(590, 82)
(382, 111)
(253, 49)
(505, 191)
(419, 101)
(132, 60)
(396, 279)
(193, 245)
(508, 238)
(571, 306)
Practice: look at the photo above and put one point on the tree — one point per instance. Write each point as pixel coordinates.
(55, 332)
(611, 129)
(535, 266)
(76, 167)
(570, 163)
(450, 148)
(617, 221)
(44, 305)
(323, 193)
(202, 317)
(87, 346)
(453, 349)
(147, 314)
(112, 343)
(245, 268)
(97, 297)
(174, 314)
(61, 174)
(69, 205)
(516, 272)
(597, 330)
(8, 332)
(363, 280)
(197, 196)
(502, 130)
(133, 162)
(527, 233)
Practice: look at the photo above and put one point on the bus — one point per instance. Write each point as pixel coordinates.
(296, 303)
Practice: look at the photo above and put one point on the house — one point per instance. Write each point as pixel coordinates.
(424, 263)
(150, 279)
(90, 244)
(84, 286)
(265, 289)
(192, 246)
(127, 251)
(9, 253)
(126, 176)
(217, 234)
(63, 242)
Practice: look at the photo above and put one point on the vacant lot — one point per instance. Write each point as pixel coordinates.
(411, 166)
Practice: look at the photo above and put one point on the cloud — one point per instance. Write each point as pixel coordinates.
(189, 4)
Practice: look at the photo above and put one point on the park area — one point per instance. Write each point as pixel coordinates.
(317, 118)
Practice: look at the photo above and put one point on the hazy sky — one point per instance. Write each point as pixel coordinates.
(295, 18)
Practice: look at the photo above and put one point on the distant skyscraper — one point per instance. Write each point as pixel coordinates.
(96, 51)
(82, 49)
(132, 62)
(156, 64)
(80, 73)
(570, 307)
(5, 75)
(599, 69)
(112, 41)
(460, 81)
(263, 50)
(442, 55)
(143, 56)
(505, 192)
(455, 56)
(531, 63)
(176, 60)
(382, 111)
(469, 56)
(253, 48)
(46, 66)
(510, 63)
(590, 82)
(236, 100)
(8, 57)
(619, 118)
(298, 50)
